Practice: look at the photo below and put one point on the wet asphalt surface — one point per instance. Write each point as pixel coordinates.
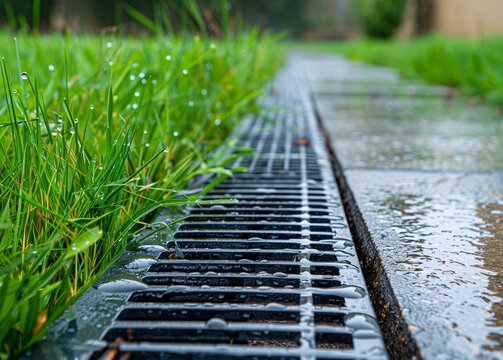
(426, 171)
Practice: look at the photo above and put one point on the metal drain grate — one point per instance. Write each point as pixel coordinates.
(272, 276)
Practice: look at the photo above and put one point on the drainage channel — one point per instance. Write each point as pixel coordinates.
(274, 275)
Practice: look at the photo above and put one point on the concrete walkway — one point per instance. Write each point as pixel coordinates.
(424, 186)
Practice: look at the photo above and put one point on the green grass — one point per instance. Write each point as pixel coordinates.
(96, 133)
(474, 66)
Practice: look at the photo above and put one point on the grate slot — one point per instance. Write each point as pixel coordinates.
(324, 270)
(325, 283)
(260, 197)
(249, 244)
(276, 191)
(192, 314)
(261, 210)
(222, 280)
(329, 340)
(172, 354)
(322, 246)
(264, 204)
(245, 234)
(261, 226)
(328, 300)
(229, 267)
(253, 255)
(255, 337)
(190, 295)
(320, 228)
(235, 255)
(329, 318)
(220, 219)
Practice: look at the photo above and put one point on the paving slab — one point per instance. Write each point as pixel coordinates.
(423, 178)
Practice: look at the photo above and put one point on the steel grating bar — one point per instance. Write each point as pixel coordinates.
(274, 275)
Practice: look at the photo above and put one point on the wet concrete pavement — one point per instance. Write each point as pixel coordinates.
(426, 173)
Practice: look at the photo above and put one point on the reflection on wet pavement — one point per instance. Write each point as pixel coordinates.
(442, 251)
(426, 171)
(415, 133)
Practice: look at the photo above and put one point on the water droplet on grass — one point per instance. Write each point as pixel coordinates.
(147, 144)
(204, 92)
(191, 103)
(109, 44)
(137, 94)
(24, 76)
(166, 150)
(51, 67)
(141, 75)
(135, 106)
(168, 57)
(72, 130)
(175, 133)
(185, 71)
(217, 122)
(132, 77)
(14, 91)
(91, 107)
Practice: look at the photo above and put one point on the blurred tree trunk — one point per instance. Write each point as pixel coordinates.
(424, 16)
(76, 15)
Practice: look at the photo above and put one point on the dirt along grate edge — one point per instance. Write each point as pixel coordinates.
(274, 275)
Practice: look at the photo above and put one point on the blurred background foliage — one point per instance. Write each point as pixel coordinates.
(381, 18)
(301, 17)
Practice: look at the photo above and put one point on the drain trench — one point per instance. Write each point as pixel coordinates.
(272, 276)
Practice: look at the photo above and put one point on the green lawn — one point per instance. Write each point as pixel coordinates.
(474, 66)
(96, 133)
